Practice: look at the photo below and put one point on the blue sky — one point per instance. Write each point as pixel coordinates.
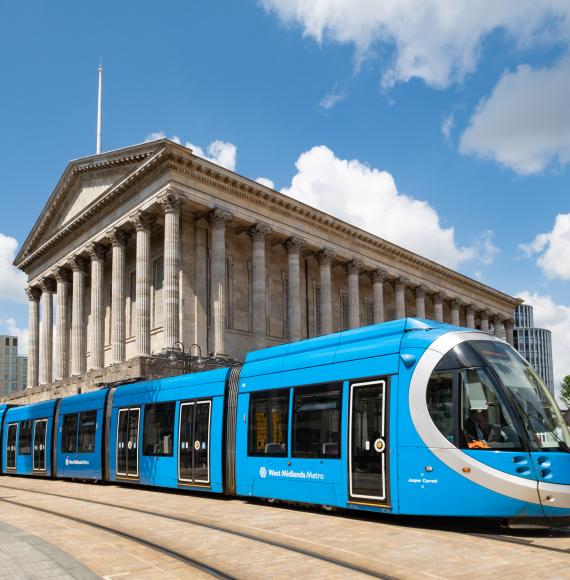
(460, 106)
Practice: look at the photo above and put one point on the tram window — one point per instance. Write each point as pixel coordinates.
(159, 429)
(69, 434)
(268, 423)
(87, 427)
(316, 421)
(440, 402)
(25, 440)
(485, 421)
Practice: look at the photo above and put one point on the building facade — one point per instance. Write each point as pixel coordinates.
(151, 248)
(13, 367)
(535, 344)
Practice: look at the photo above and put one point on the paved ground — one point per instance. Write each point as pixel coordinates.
(178, 531)
(25, 556)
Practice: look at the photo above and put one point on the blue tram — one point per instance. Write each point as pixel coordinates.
(406, 417)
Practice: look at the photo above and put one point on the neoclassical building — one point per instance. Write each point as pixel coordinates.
(141, 249)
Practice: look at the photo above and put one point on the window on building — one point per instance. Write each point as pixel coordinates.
(285, 283)
(343, 311)
(268, 423)
(316, 421)
(317, 302)
(69, 433)
(87, 430)
(369, 312)
(159, 429)
(158, 281)
(25, 440)
(131, 306)
(229, 314)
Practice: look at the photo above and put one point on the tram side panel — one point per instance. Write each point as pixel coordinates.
(80, 436)
(293, 433)
(427, 485)
(169, 433)
(28, 439)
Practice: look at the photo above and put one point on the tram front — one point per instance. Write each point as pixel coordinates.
(485, 413)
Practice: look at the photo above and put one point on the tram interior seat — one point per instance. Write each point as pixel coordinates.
(275, 448)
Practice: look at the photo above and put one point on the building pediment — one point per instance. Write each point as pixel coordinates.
(83, 184)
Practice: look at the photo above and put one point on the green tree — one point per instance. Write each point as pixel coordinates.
(565, 390)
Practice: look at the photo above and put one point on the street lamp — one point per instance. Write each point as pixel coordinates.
(173, 350)
(199, 361)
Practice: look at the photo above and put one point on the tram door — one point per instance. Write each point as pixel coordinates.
(11, 446)
(128, 442)
(368, 442)
(194, 442)
(40, 433)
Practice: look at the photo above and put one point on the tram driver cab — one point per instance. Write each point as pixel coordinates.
(495, 411)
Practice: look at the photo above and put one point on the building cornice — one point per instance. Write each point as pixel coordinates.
(164, 155)
(243, 188)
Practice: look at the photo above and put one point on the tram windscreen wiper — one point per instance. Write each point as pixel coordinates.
(561, 443)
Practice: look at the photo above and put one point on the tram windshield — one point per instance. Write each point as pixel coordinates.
(540, 414)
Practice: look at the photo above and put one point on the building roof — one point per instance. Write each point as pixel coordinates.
(90, 184)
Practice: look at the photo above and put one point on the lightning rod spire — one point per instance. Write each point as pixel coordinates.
(99, 101)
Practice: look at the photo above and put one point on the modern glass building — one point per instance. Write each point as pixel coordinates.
(535, 344)
(13, 367)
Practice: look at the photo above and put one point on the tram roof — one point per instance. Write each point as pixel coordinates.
(368, 341)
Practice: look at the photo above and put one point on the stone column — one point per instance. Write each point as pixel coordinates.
(353, 269)
(78, 360)
(46, 338)
(400, 297)
(470, 316)
(218, 218)
(63, 280)
(143, 224)
(499, 327)
(510, 332)
(455, 312)
(171, 203)
(119, 240)
(378, 277)
(294, 246)
(325, 257)
(33, 294)
(420, 293)
(484, 321)
(438, 306)
(259, 315)
(97, 254)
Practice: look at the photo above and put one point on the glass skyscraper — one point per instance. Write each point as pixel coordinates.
(535, 344)
(13, 367)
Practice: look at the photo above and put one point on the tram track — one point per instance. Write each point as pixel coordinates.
(195, 522)
(210, 570)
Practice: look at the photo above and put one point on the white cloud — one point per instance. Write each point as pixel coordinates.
(439, 42)
(524, 124)
(10, 327)
(553, 249)
(368, 198)
(556, 318)
(488, 251)
(219, 152)
(447, 126)
(266, 181)
(332, 98)
(12, 280)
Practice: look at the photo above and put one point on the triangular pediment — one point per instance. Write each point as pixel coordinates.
(87, 189)
(83, 183)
